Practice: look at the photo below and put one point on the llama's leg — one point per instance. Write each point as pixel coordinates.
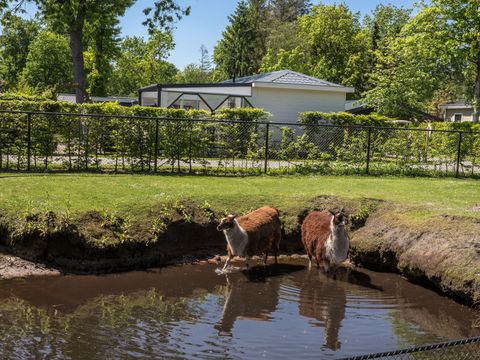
(265, 258)
(229, 258)
(276, 247)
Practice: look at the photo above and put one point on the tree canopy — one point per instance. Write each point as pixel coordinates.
(48, 63)
(71, 17)
(17, 35)
(397, 59)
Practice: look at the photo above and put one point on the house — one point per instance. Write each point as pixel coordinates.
(283, 93)
(358, 107)
(122, 100)
(456, 111)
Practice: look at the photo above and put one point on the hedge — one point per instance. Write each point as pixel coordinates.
(86, 142)
(68, 142)
(344, 118)
(116, 109)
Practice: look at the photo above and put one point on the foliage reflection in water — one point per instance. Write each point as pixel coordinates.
(189, 311)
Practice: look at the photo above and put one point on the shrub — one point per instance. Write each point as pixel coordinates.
(343, 118)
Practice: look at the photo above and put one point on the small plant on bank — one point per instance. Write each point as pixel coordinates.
(207, 208)
(110, 220)
(158, 228)
(182, 211)
(125, 228)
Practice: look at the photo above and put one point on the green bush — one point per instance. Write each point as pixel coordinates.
(343, 118)
(168, 140)
(124, 142)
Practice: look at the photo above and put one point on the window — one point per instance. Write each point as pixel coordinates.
(232, 103)
(457, 117)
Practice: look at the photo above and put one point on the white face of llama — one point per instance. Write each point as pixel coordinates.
(340, 218)
(226, 223)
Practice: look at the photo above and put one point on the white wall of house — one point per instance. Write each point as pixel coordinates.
(452, 114)
(283, 103)
(286, 104)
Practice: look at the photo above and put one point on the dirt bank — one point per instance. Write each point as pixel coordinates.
(441, 251)
(15, 267)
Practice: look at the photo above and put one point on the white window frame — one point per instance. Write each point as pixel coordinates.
(461, 117)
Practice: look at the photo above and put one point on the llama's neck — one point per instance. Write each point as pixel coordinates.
(237, 238)
(338, 235)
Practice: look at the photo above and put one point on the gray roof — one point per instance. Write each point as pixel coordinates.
(457, 104)
(282, 77)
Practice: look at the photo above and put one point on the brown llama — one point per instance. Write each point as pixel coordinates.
(325, 238)
(252, 234)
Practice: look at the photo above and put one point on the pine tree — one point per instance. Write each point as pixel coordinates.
(240, 51)
(205, 61)
(288, 10)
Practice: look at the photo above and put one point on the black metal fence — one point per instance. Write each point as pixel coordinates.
(45, 141)
(465, 349)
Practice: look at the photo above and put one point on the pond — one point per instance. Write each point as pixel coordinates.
(189, 311)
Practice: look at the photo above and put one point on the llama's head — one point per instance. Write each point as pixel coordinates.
(340, 218)
(226, 223)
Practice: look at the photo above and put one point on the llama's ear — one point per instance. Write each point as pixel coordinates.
(231, 217)
(343, 210)
(331, 212)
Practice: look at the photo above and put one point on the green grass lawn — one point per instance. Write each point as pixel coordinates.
(83, 192)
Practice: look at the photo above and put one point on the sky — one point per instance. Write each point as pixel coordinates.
(207, 21)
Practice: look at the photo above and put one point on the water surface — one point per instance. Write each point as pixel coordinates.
(189, 311)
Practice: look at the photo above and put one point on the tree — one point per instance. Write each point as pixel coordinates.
(331, 45)
(192, 74)
(71, 16)
(461, 19)
(17, 35)
(439, 47)
(102, 46)
(242, 47)
(295, 59)
(48, 63)
(384, 25)
(196, 74)
(288, 10)
(142, 63)
(205, 61)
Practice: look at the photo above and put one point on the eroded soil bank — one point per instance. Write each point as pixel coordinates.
(439, 251)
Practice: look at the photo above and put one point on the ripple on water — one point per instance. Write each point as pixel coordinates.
(191, 312)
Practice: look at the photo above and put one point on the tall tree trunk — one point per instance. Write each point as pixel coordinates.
(476, 96)
(76, 48)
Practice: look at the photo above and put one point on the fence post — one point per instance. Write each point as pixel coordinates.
(459, 150)
(86, 145)
(29, 141)
(266, 148)
(155, 155)
(369, 141)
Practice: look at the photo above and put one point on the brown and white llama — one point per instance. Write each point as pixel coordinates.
(252, 234)
(325, 238)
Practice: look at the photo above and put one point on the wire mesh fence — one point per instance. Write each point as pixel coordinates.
(464, 349)
(41, 141)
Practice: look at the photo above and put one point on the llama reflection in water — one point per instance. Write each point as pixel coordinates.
(252, 294)
(324, 299)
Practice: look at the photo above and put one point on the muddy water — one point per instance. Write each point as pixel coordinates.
(191, 312)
